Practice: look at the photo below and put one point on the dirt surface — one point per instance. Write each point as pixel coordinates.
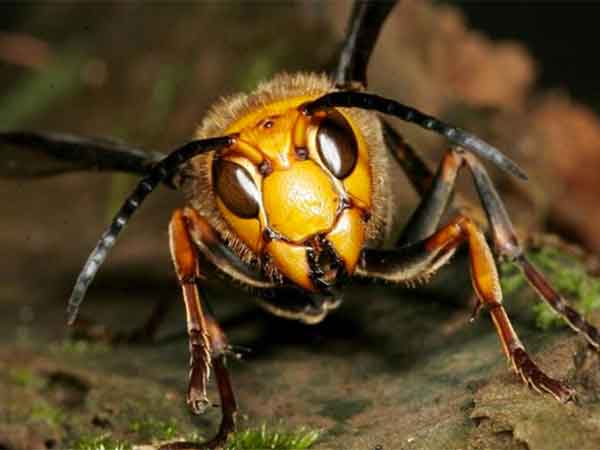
(394, 368)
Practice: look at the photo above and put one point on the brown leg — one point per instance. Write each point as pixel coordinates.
(436, 199)
(558, 303)
(207, 341)
(419, 260)
(507, 246)
(487, 287)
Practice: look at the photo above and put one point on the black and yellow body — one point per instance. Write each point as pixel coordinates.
(289, 194)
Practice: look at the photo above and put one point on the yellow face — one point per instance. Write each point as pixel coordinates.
(297, 190)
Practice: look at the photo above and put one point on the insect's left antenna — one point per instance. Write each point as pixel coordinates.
(157, 174)
(458, 136)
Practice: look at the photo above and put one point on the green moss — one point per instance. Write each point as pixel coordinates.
(150, 429)
(99, 442)
(25, 378)
(566, 273)
(78, 347)
(251, 439)
(263, 438)
(48, 414)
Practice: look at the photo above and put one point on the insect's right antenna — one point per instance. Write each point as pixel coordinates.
(157, 174)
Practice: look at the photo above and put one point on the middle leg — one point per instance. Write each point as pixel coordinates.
(207, 343)
(427, 216)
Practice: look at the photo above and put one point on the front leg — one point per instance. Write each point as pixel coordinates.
(418, 261)
(207, 342)
(196, 247)
(436, 200)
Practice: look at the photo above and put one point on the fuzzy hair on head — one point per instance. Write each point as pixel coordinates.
(197, 174)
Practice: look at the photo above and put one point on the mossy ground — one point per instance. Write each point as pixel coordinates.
(567, 273)
(354, 382)
(262, 438)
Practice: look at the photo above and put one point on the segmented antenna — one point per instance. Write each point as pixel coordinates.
(349, 99)
(158, 173)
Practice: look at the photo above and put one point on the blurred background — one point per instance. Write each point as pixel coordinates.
(147, 73)
(522, 75)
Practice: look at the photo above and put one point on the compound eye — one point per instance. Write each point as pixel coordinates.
(236, 188)
(337, 145)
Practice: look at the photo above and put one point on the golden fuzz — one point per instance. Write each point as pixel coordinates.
(196, 181)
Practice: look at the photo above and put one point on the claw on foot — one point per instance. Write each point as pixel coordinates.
(533, 376)
(197, 402)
